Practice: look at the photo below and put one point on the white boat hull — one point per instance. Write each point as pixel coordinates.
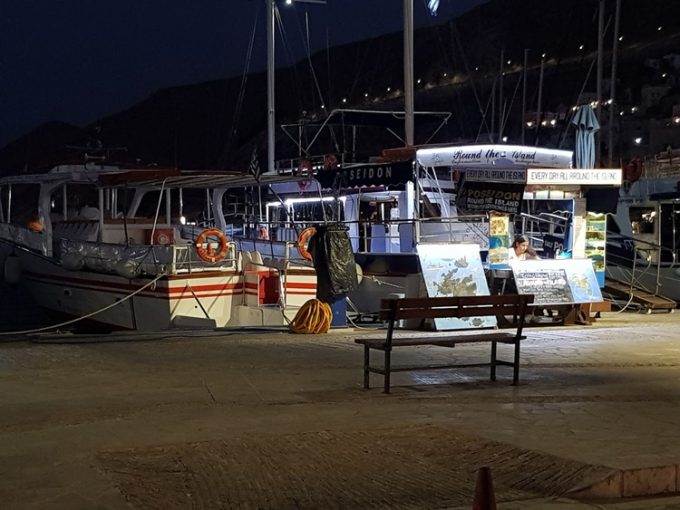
(217, 299)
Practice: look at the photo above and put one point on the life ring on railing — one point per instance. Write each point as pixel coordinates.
(634, 170)
(330, 162)
(302, 241)
(204, 248)
(305, 170)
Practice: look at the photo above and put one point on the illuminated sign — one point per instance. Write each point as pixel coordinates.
(500, 156)
(574, 176)
(493, 174)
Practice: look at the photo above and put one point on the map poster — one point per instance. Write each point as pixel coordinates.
(454, 270)
(557, 282)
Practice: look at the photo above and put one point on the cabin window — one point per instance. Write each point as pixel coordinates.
(24, 205)
(642, 220)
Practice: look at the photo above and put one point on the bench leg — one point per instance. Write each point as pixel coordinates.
(367, 360)
(493, 360)
(515, 366)
(387, 371)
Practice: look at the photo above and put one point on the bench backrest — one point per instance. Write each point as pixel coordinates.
(460, 306)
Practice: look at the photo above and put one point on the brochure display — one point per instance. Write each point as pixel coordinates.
(499, 241)
(454, 270)
(596, 241)
(557, 282)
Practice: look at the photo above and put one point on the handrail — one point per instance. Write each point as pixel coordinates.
(652, 247)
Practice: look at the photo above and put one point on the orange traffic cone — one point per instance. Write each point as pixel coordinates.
(485, 498)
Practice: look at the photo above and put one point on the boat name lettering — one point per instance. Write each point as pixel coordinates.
(379, 172)
(467, 156)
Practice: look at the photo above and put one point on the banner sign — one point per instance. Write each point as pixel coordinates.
(498, 155)
(484, 197)
(493, 174)
(576, 176)
(380, 174)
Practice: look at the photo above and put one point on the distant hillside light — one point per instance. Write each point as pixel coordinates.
(344, 99)
(365, 94)
(543, 55)
(418, 81)
(621, 38)
(505, 139)
(509, 62)
(660, 28)
(389, 89)
(445, 75)
(638, 140)
(581, 47)
(664, 75)
(676, 120)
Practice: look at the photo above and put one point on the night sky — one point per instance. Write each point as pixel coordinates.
(78, 60)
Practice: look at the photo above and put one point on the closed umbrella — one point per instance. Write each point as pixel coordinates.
(587, 125)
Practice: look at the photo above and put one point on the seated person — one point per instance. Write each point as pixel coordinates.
(520, 250)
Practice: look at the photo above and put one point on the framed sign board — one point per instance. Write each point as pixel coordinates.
(454, 270)
(557, 281)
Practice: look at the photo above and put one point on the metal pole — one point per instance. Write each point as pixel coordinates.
(500, 98)
(524, 92)
(271, 8)
(612, 95)
(598, 108)
(540, 98)
(408, 73)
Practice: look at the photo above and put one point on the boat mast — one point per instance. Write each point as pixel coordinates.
(408, 73)
(271, 9)
(612, 95)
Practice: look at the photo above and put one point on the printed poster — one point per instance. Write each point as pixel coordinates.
(454, 270)
(499, 241)
(557, 281)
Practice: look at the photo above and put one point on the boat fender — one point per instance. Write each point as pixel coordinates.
(12, 269)
(360, 273)
(303, 241)
(204, 249)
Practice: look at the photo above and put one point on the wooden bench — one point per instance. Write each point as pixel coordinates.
(394, 310)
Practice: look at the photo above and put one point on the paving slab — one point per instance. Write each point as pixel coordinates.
(602, 397)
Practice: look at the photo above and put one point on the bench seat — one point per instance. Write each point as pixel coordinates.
(394, 310)
(447, 341)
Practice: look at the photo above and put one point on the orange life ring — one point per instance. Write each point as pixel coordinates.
(305, 170)
(302, 241)
(330, 162)
(204, 249)
(634, 170)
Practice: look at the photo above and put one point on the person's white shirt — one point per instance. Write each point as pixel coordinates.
(513, 256)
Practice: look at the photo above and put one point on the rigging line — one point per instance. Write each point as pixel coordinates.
(483, 124)
(238, 108)
(583, 87)
(470, 76)
(506, 117)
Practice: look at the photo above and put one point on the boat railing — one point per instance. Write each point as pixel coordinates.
(134, 260)
(372, 236)
(534, 227)
(643, 251)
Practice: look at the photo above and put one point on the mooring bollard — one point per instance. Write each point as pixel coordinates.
(485, 499)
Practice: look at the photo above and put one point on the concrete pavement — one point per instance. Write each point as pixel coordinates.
(270, 420)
